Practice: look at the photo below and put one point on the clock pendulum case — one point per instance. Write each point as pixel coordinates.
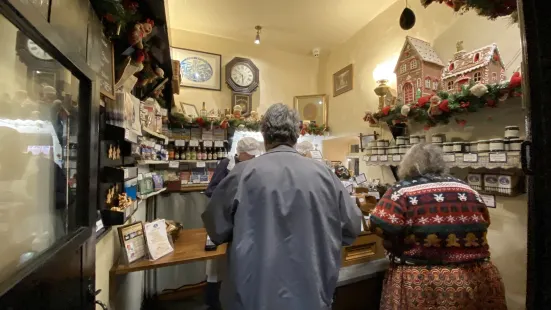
(242, 77)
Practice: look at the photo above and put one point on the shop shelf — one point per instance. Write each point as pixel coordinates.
(155, 134)
(144, 197)
(119, 174)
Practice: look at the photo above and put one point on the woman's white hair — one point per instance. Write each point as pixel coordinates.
(420, 159)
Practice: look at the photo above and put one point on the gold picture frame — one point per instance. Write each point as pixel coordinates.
(313, 108)
(343, 80)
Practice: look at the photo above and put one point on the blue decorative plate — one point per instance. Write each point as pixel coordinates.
(196, 69)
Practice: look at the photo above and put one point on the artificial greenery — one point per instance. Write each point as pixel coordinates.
(181, 120)
(450, 106)
(491, 9)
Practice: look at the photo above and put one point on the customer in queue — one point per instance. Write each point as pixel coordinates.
(247, 148)
(434, 227)
(286, 218)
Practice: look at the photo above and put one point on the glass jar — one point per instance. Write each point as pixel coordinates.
(402, 149)
(382, 143)
(515, 144)
(483, 146)
(458, 147)
(368, 151)
(497, 145)
(372, 144)
(414, 139)
(438, 138)
(447, 147)
(512, 132)
(402, 140)
(474, 147)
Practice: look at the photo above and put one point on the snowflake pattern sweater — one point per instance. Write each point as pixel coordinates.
(437, 219)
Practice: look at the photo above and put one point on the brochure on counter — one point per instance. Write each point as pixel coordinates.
(145, 240)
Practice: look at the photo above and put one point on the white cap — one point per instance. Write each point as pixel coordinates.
(248, 145)
(304, 147)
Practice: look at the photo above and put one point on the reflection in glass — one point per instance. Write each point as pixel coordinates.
(38, 143)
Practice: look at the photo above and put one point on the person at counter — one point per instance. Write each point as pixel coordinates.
(286, 218)
(247, 148)
(434, 227)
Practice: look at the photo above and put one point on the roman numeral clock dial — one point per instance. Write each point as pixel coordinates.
(242, 75)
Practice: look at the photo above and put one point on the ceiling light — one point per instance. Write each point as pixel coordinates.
(257, 38)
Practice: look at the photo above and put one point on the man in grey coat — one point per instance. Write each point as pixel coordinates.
(286, 218)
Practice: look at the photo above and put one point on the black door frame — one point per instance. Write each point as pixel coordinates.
(82, 225)
(536, 31)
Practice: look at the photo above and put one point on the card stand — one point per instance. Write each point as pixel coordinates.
(113, 132)
(111, 174)
(104, 154)
(111, 218)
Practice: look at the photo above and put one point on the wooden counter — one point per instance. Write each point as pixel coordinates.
(189, 247)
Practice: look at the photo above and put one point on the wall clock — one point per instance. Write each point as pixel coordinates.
(242, 76)
(32, 55)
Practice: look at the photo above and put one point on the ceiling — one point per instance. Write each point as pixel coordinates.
(296, 26)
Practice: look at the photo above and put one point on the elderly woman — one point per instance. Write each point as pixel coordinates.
(434, 228)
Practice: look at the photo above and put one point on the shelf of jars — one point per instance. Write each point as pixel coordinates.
(501, 160)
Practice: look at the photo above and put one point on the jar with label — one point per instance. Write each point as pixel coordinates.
(448, 147)
(372, 144)
(368, 151)
(497, 145)
(512, 132)
(392, 150)
(402, 149)
(414, 139)
(438, 138)
(375, 151)
(514, 145)
(383, 150)
(483, 146)
(402, 140)
(467, 147)
(473, 147)
(458, 147)
(382, 143)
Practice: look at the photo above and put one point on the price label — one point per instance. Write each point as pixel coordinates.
(180, 142)
(470, 158)
(157, 147)
(207, 143)
(193, 143)
(218, 143)
(125, 173)
(196, 181)
(449, 158)
(99, 225)
(200, 164)
(174, 164)
(396, 158)
(383, 158)
(374, 158)
(489, 200)
(498, 157)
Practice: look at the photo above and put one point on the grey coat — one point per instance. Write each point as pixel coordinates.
(286, 218)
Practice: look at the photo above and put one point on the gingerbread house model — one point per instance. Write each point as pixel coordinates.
(482, 65)
(418, 71)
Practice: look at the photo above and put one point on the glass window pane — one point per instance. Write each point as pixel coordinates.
(38, 143)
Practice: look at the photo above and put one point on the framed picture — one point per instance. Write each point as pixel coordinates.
(312, 108)
(189, 110)
(199, 69)
(244, 100)
(343, 80)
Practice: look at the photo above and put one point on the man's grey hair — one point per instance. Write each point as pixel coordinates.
(421, 159)
(280, 125)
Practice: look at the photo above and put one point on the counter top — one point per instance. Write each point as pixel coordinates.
(359, 272)
(189, 247)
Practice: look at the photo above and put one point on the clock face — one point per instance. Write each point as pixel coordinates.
(37, 51)
(242, 75)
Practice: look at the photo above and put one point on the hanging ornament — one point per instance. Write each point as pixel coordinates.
(407, 19)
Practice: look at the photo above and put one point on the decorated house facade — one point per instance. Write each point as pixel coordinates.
(483, 65)
(418, 71)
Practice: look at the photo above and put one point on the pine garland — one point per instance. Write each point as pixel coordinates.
(236, 123)
(450, 106)
(491, 9)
